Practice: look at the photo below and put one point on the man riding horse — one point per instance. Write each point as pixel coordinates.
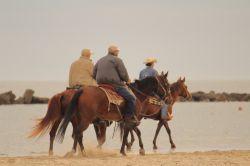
(81, 71)
(111, 70)
(149, 71)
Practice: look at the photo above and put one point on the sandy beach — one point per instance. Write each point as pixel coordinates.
(104, 158)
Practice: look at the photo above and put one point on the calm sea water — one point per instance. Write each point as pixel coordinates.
(195, 127)
(49, 88)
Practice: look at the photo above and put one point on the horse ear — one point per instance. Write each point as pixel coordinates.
(166, 75)
(162, 73)
(184, 79)
(179, 79)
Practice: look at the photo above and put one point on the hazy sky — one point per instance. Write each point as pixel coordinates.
(198, 39)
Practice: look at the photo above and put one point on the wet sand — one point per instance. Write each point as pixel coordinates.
(103, 158)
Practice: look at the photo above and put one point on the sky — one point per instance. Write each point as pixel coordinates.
(198, 39)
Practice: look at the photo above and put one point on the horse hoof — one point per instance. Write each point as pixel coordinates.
(155, 148)
(82, 154)
(51, 153)
(123, 153)
(173, 146)
(142, 152)
(129, 147)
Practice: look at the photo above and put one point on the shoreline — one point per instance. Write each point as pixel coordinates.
(232, 157)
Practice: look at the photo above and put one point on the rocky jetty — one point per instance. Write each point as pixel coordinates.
(27, 98)
(219, 97)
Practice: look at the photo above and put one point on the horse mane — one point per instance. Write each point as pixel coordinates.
(147, 85)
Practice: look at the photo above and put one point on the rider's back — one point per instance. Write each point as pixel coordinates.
(110, 70)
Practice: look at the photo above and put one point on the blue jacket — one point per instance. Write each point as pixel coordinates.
(148, 72)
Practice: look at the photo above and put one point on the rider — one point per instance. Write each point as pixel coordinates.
(111, 70)
(149, 71)
(81, 71)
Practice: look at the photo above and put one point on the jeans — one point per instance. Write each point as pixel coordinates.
(164, 111)
(130, 99)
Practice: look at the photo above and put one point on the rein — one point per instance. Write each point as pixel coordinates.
(135, 89)
(164, 90)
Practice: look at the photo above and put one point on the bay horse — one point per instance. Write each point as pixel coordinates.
(152, 111)
(177, 89)
(90, 103)
(101, 125)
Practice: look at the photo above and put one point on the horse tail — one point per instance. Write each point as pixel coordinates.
(52, 115)
(69, 113)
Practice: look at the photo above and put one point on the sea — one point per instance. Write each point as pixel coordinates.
(195, 127)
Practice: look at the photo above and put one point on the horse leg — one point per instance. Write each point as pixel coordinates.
(102, 136)
(138, 133)
(160, 124)
(80, 137)
(98, 134)
(75, 138)
(124, 140)
(129, 144)
(52, 136)
(165, 123)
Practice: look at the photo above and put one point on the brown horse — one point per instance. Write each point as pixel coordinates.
(101, 125)
(177, 89)
(56, 109)
(91, 103)
(152, 111)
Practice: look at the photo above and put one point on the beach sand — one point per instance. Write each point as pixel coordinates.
(109, 158)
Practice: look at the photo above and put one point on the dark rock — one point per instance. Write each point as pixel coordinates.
(7, 98)
(211, 96)
(199, 96)
(27, 96)
(221, 97)
(20, 100)
(40, 100)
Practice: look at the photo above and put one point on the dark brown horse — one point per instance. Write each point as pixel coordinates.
(101, 125)
(152, 111)
(91, 103)
(177, 89)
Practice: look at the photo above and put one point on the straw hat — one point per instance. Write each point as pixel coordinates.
(150, 60)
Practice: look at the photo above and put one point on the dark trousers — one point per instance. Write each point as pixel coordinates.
(130, 99)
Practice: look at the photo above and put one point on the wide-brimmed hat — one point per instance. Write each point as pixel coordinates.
(150, 60)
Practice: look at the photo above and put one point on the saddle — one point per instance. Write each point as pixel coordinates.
(112, 96)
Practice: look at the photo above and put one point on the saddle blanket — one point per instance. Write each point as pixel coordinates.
(112, 96)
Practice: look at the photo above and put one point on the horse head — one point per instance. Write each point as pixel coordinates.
(180, 88)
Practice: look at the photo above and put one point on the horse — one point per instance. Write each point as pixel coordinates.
(177, 89)
(101, 125)
(55, 111)
(152, 111)
(90, 103)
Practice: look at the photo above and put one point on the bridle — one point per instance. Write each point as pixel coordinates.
(165, 91)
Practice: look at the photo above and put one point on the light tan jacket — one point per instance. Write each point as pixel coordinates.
(81, 72)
